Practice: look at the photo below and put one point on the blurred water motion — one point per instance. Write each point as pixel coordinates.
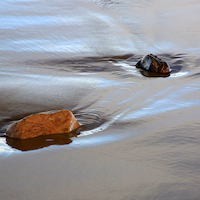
(140, 130)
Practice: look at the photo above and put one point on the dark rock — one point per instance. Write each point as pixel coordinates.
(152, 63)
(43, 124)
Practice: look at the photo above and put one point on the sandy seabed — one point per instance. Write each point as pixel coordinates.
(140, 136)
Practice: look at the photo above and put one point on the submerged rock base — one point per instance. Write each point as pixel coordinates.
(43, 124)
(152, 63)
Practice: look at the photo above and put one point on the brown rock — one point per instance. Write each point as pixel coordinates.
(154, 64)
(43, 124)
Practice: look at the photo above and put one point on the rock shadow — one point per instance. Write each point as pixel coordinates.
(41, 141)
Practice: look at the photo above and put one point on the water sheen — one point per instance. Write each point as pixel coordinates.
(80, 55)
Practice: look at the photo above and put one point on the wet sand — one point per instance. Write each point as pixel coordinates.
(152, 166)
(140, 134)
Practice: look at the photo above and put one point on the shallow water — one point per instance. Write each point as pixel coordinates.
(140, 135)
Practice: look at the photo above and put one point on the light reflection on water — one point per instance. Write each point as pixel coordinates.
(171, 102)
(6, 150)
(179, 74)
(97, 140)
(81, 55)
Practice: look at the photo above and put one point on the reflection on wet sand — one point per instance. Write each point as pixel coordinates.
(153, 74)
(41, 141)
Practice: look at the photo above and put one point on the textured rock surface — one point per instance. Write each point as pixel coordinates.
(43, 124)
(152, 63)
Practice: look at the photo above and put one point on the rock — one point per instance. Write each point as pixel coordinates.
(43, 124)
(152, 63)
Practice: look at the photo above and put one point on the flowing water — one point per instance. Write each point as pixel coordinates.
(140, 137)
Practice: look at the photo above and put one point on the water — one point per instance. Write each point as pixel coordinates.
(140, 135)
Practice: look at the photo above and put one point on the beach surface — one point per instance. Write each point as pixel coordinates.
(140, 131)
